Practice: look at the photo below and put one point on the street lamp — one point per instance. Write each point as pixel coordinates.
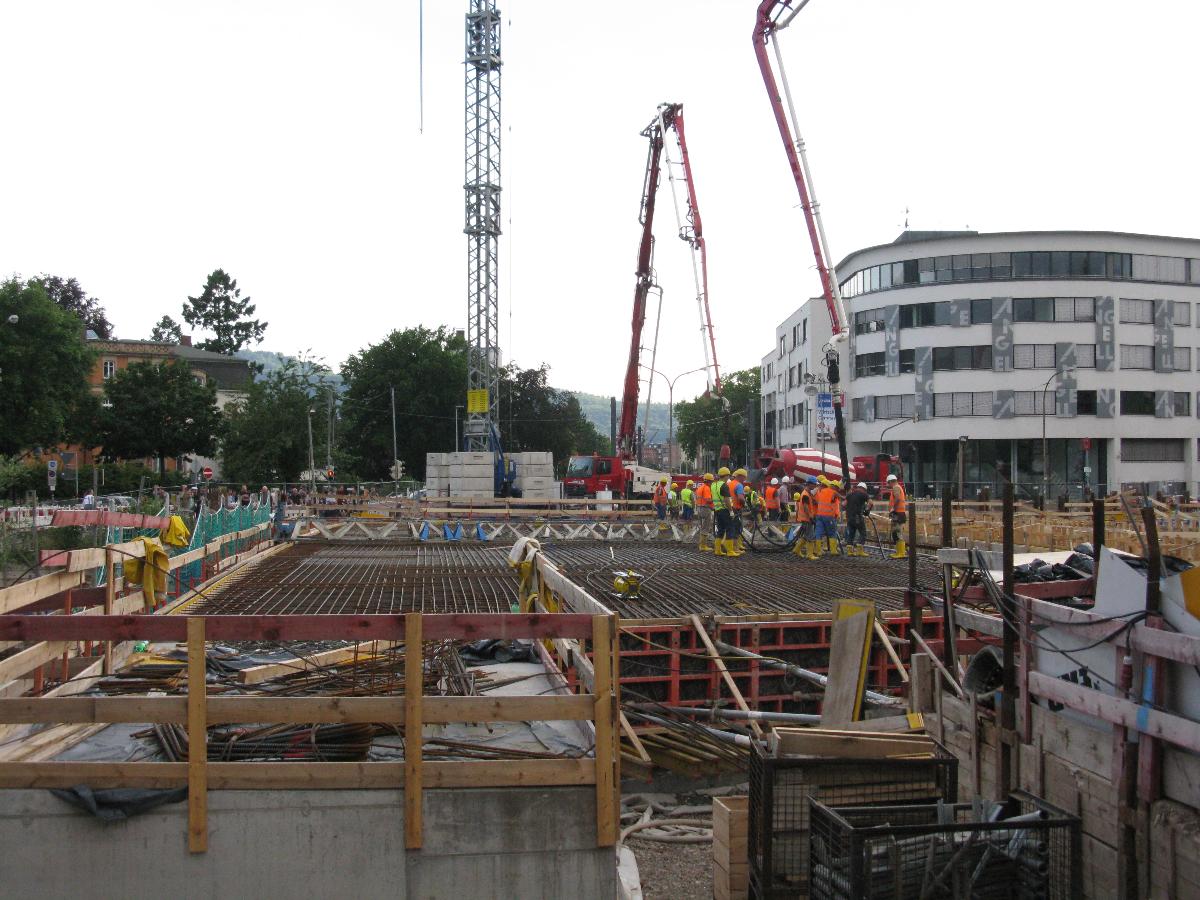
(913, 418)
(962, 466)
(671, 407)
(456, 409)
(1045, 456)
(813, 385)
(312, 464)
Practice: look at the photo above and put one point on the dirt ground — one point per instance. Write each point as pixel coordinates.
(673, 871)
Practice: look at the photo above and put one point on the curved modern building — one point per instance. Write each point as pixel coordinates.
(973, 346)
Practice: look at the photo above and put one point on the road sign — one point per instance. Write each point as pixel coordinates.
(397, 469)
(825, 421)
(207, 473)
(477, 401)
(52, 465)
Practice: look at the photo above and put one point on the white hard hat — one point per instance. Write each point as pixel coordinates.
(774, 481)
(862, 485)
(892, 478)
(787, 479)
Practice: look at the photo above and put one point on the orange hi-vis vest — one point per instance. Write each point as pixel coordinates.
(829, 503)
(736, 499)
(805, 506)
(898, 503)
(704, 495)
(772, 497)
(660, 496)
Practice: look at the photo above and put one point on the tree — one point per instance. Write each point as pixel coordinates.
(535, 416)
(44, 367)
(705, 423)
(160, 411)
(168, 331)
(428, 370)
(66, 293)
(266, 432)
(221, 309)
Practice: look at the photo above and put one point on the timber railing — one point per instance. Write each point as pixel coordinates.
(197, 710)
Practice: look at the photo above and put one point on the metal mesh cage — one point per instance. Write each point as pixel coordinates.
(780, 791)
(1025, 850)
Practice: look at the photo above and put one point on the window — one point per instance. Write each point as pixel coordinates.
(1001, 265)
(1182, 361)
(1085, 309)
(894, 406)
(908, 363)
(1151, 450)
(782, 346)
(1033, 309)
(1033, 356)
(1039, 265)
(1137, 356)
(952, 359)
(1034, 403)
(1137, 403)
(1159, 268)
(865, 322)
(1183, 403)
(1085, 356)
(981, 310)
(1181, 313)
(804, 331)
(868, 364)
(1085, 403)
(110, 368)
(1194, 271)
(963, 403)
(1138, 312)
(921, 315)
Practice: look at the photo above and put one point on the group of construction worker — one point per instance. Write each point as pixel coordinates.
(727, 502)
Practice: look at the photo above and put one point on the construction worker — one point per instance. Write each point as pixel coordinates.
(704, 502)
(829, 508)
(673, 501)
(687, 501)
(737, 489)
(858, 505)
(722, 499)
(754, 505)
(785, 498)
(805, 546)
(771, 500)
(898, 513)
(660, 498)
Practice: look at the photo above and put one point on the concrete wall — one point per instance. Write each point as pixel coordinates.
(502, 842)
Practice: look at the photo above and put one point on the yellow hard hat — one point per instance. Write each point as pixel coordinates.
(690, 484)
(724, 470)
(708, 476)
(741, 472)
(666, 479)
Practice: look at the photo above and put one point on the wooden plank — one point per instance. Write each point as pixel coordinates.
(258, 674)
(550, 708)
(197, 723)
(1183, 648)
(800, 742)
(937, 663)
(414, 666)
(849, 647)
(110, 596)
(1175, 729)
(24, 593)
(464, 626)
(890, 650)
(725, 676)
(300, 775)
(605, 714)
(25, 661)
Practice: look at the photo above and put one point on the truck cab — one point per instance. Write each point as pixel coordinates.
(874, 470)
(588, 474)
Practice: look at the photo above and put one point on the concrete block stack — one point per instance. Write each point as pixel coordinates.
(535, 475)
(437, 474)
(472, 474)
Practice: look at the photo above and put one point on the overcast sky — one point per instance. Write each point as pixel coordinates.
(148, 143)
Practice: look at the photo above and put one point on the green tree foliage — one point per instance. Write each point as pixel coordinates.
(160, 411)
(266, 432)
(705, 425)
(67, 293)
(428, 369)
(223, 310)
(535, 416)
(168, 331)
(44, 365)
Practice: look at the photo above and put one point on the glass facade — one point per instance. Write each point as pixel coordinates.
(1042, 264)
(934, 467)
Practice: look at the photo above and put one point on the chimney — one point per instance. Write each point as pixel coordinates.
(185, 340)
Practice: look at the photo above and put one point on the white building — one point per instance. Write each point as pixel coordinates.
(989, 338)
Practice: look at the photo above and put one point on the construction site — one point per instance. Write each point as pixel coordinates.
(627, 682)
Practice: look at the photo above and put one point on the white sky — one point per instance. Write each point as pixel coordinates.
(146, 144)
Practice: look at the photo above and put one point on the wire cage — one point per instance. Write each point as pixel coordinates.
(780, 791)
(1022, 849)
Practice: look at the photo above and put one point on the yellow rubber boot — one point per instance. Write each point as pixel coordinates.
(732, 549)
(800, 548)
(901, 551)
(833, 546)
(814, 550)
(719, 547)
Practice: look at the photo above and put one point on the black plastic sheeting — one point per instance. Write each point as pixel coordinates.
(118, 804)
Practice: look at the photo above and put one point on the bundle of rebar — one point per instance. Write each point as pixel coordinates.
(322, 743)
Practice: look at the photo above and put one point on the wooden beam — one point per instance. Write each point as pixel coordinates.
(464, 626)
(933, 657)
(414, 687)
(258, 674)
(605, 713)
(26, 592)
(25, 661)
(1117, 711)
(197, 731)
(550, 708)
(726, 677)
(301, 775)
(1177, 647)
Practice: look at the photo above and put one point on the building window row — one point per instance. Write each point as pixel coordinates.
(1152, 449)
(963, 403)
(1141, 312)
(954, 404)
(957, 359)
(1031, 264)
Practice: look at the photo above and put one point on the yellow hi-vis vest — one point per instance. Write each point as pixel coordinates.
(718, 501)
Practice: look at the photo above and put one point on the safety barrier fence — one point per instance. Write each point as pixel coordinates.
(197, 711)
(71, 590)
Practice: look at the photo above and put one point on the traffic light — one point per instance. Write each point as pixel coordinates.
(397, 470)
(329, 473)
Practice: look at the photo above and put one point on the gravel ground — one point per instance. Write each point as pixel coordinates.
(673, 871)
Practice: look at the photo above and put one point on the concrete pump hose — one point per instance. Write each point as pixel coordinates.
(670, 838)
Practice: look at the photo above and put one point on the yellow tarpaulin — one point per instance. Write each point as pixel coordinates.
(176, 534)
(150, 573)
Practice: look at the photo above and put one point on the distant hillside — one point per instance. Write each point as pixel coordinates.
(270, 361)
(597, 410)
